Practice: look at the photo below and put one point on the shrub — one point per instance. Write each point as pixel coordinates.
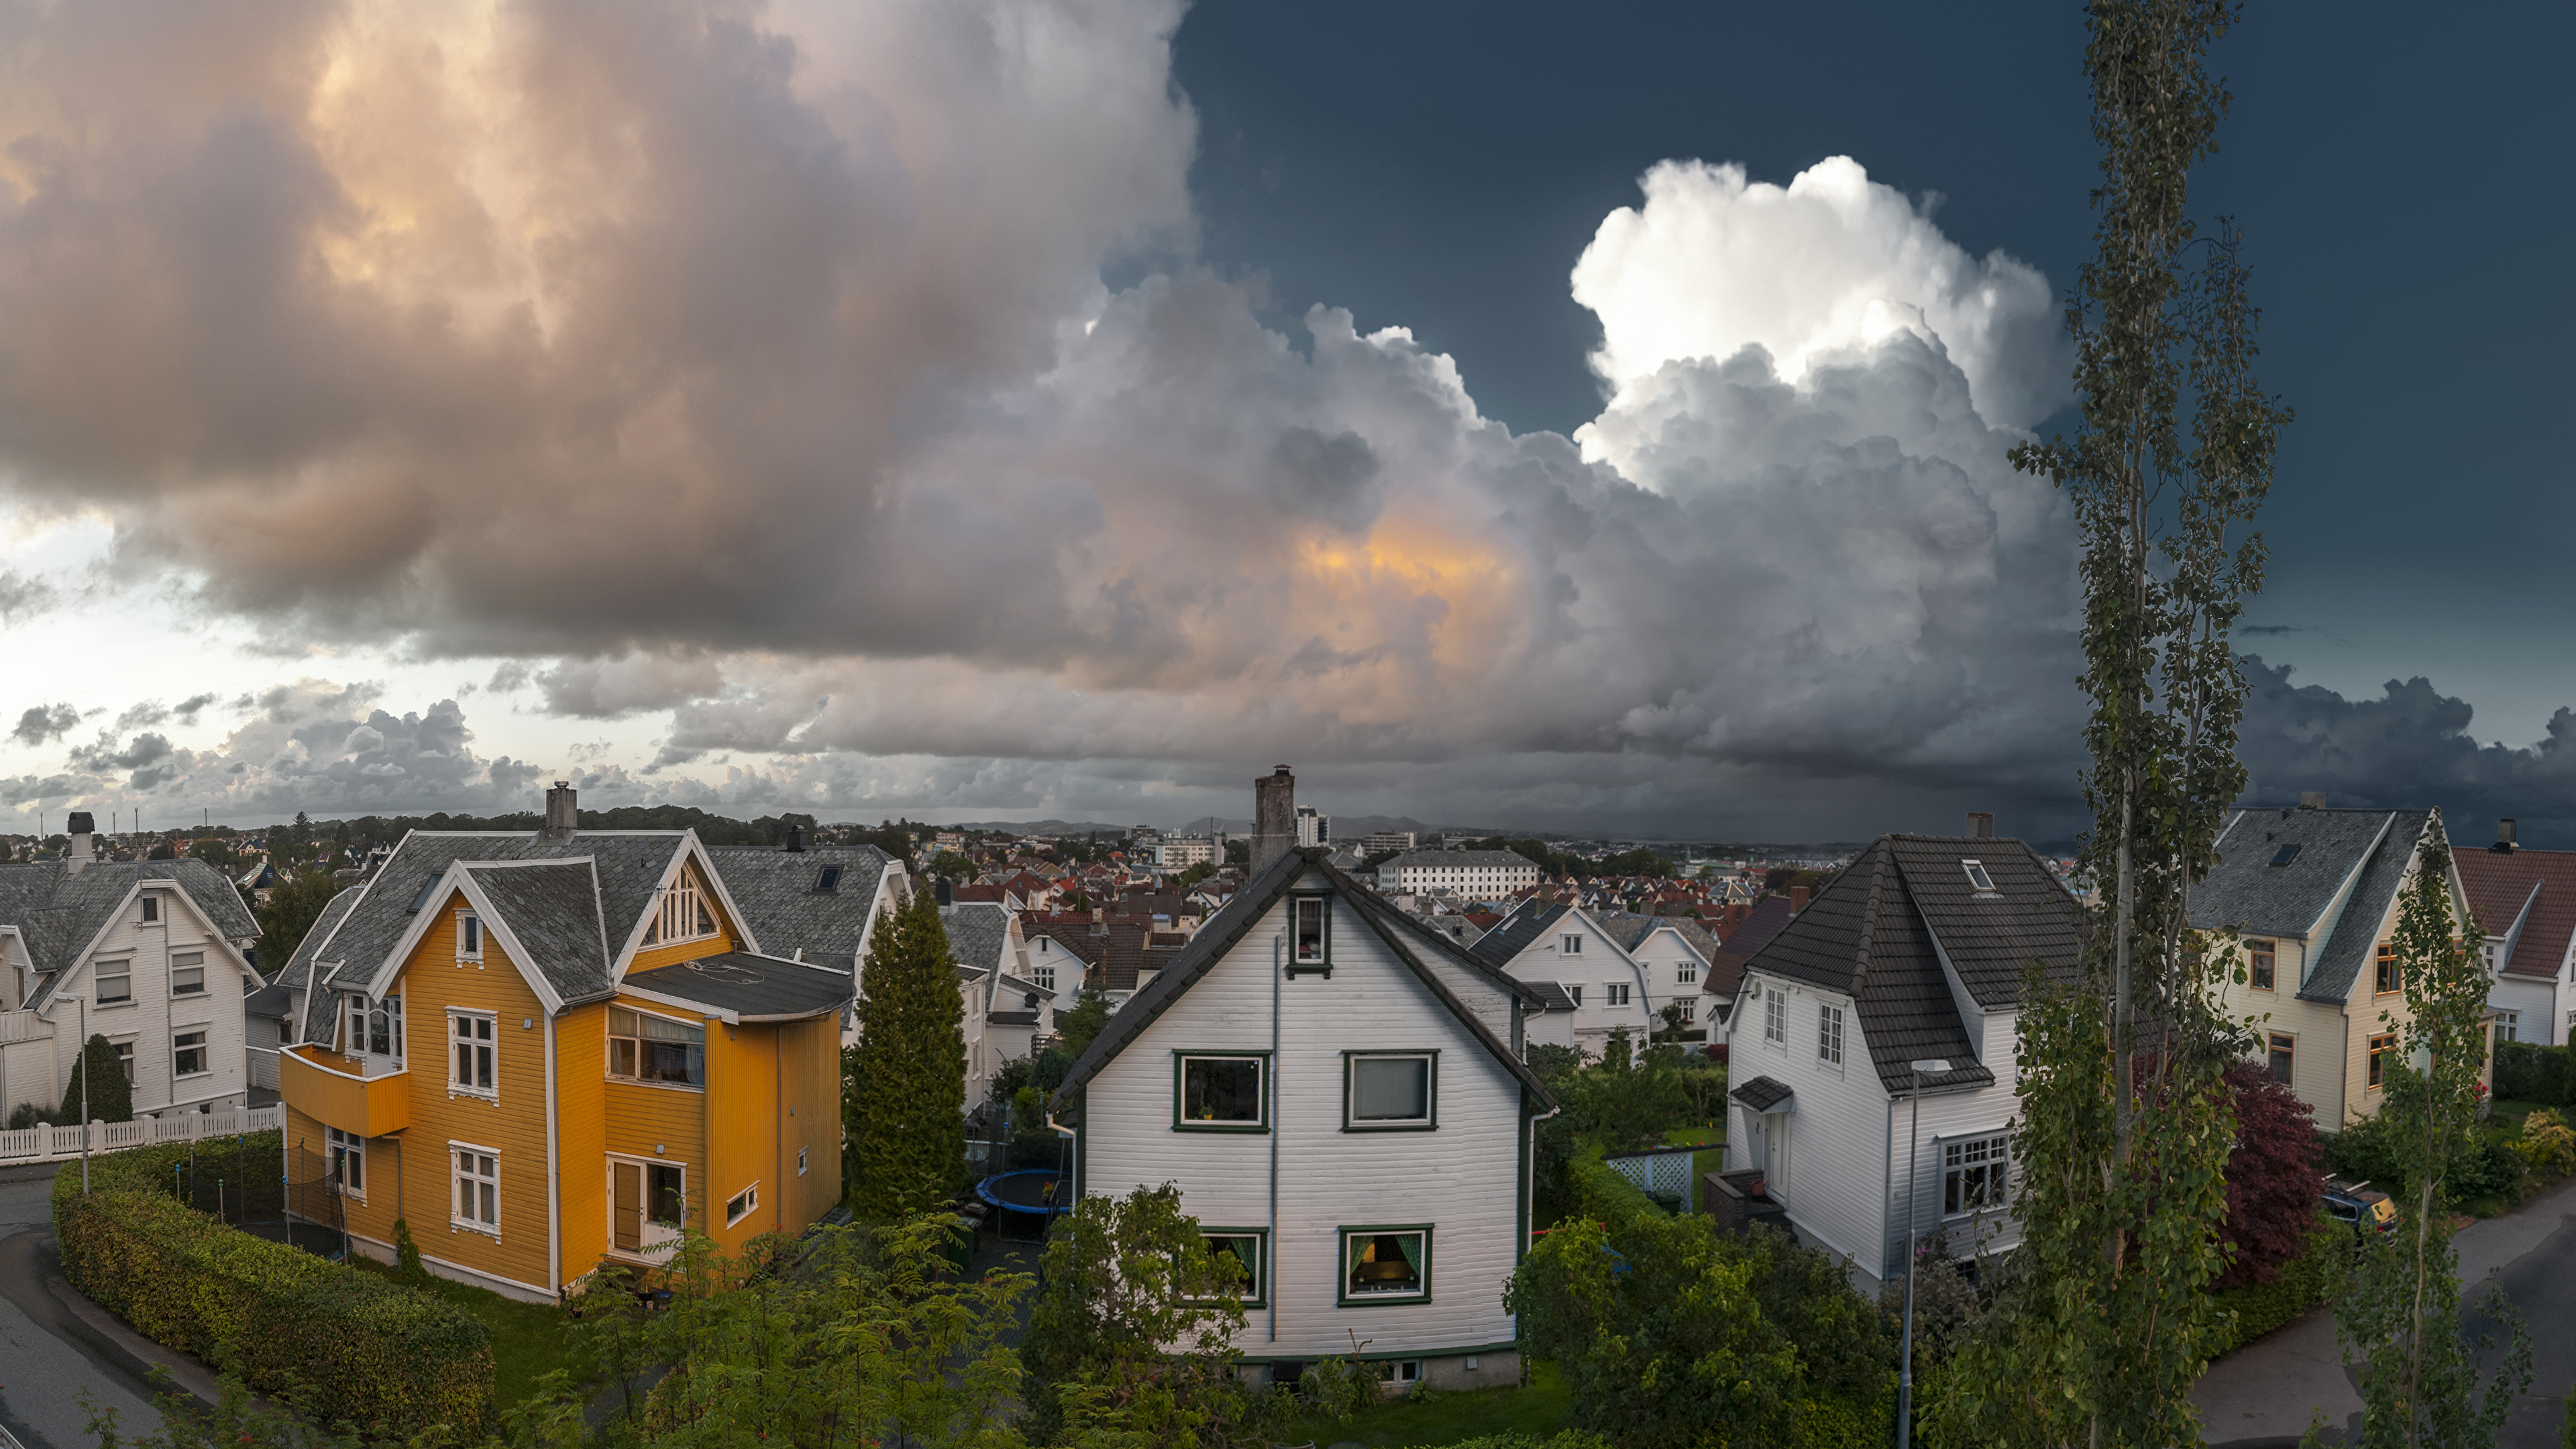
(2527, 1071)
(2303, 1283)
(2272, 1177)
(359, 1348)
(110, 1099)
(2484, 1168)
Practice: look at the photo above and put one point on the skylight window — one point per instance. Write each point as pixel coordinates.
(829, 880)
(422, 899)
(2285, 855)
(1977, 876)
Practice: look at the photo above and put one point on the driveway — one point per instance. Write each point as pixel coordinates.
(2265, 1394)
(44, 1370)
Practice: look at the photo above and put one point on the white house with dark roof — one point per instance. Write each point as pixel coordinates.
(1589, 985)
(1914, 953)
(1483, 874)
(159, 952)
(2526, 904)
(1340, 1096)
(2313, 894)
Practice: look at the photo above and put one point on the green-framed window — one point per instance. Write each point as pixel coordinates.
(1390, 1091)
(1390, 1263)
(1218, 1091)
(1310, 934)
(1249, 1248)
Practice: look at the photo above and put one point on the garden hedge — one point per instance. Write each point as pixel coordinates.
(2306, 1282)
(354, 1348)
(2527, 1071)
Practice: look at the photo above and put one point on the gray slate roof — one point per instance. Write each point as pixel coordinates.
(1869, 935)
(552, 911)
(2371, 848)
(1462, 859)
(1527, 922)
(297, 974)
(977, 932)
(58, 911)
(1762, 1094)
(755, 988)
(776, 890)
(1630, 930)
(1759, 925)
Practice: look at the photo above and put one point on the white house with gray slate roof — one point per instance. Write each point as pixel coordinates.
(1915, 952)
(2313, 894)
(159, 951)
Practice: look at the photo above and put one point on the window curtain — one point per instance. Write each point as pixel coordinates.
(1410, 1244)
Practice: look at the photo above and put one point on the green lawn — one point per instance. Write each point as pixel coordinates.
(529, 1340)
(1713, 1137)
(1542, 1409)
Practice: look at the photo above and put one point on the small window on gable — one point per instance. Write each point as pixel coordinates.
(2285, 855)
(469, 936)
(1977, 876)
(151, 909)
(682, 915)
(1310, 933)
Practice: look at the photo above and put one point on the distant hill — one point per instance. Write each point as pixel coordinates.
(1058, 829)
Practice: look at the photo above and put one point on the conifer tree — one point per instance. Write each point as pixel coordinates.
(110, 1098)
(906, 1102)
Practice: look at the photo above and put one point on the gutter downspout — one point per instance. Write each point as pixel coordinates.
(554, 1173)
(1529, 1214)
(1270, 1283)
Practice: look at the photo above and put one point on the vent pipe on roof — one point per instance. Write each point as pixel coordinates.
(1981, 825)
(2504, 838)
(2312, 800)
(563, 817)
(79, 825)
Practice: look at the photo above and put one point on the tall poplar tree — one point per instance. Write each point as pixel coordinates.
(906, 1100)
(2125, 1125)
(2401, 1312)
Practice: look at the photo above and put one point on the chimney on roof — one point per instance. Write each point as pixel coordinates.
(2312, 800)
(1981, 825)
(80, 825)
(562, 816)
(2504, 838)
(1797, 899)
(1274, 817)
(944, 894)
(796, 844)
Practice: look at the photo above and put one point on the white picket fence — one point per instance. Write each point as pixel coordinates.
(57, 1144)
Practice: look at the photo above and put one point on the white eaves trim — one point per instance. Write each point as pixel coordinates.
(691, 848)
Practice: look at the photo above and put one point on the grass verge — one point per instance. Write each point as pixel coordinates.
(1542, 1408)
(529, 1340)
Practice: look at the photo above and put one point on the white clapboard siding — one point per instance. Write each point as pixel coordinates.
(1464, 1178)
(155, 1016)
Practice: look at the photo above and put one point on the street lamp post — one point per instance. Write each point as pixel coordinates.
(1929, 1066)
(83, 1059)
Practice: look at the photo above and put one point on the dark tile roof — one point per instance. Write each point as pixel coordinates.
(270, 1001)
(1866, 936)
(298, 972)
(1434, 960)
(1462, 860)
(58, 911)
(2371, 848)
(1551, 997)
(2500, 885)
(977, 931)
(1991, 936)
(552, 910)
(1725, 974)
(1528, 921)
(781, 905)
(755, 988)
(1762, 1094)
(1755, 931)
(1630, 930)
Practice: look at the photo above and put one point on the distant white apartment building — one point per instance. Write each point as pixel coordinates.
(1390, 840)
(1470, 872)
(1312, 826)
(1180, 852)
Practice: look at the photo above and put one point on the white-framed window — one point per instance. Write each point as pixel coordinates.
(1389, 1090)
(1690, 1009)
(1215, 1092)
(684, 915)
(115, 981)
(1042, 969)
(1244, 1247)
(643, 1047)
(151, 909)
(348, 1161)
(1829, 1035)
(1687, 972)
(1379, 1264)
(472, 1068)
(372, 1029)
(1614, 993)
(1309, 933)
(2508, 1025)
(1977, 876)
(1976, 1173)
(1775, 1018)
(1573, 992)
(188, 1054)
(800, 1162)
(188, 973)
(1570, 944)
(742, 1204)
(125, 1059)
(1399, 1371)
(476, 1203)
(469, 936)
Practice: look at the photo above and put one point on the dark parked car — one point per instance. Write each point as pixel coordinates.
(2361, 1205)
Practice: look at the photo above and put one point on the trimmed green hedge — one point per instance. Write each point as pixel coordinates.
(1603, 1193)
(2527, 1071)
(2306, 1282)
(360, 1349)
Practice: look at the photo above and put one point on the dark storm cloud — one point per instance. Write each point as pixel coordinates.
(44, 722)
(23, 597)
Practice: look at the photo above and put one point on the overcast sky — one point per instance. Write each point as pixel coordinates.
(1572, 419)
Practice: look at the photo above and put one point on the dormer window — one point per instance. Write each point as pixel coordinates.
(683, 915)
(1977, 876)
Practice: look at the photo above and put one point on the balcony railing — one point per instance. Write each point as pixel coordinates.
(368, 1096)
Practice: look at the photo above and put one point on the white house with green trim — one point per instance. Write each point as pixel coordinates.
(1338, 1092)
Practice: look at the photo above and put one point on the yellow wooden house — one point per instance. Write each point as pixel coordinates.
(545, 1051)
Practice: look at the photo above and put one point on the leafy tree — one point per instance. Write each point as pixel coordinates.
(2125, 1121)
(1076, 1029)
(1197, 873)
(110, 1099)
(2273, 1180)
(906, 1108)
(1640, 861)
(293, 906)
(953, 866)
(2401, 1313)
(1130, 1339)
(1238, 852)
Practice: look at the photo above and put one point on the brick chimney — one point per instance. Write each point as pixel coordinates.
(2312, 800)
(1797, 899)
(1981, 825)
(1274, 817)
(2504, 838)
(563, 816)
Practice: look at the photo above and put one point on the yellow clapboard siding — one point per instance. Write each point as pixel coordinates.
(581, 1107)
(813, 1051)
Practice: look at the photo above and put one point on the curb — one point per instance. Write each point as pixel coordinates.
(94, 1326)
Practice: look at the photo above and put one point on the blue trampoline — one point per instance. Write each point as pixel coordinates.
(1032, 1190)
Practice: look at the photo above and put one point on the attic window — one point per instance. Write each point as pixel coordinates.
(1977, 876)
(829, 879)
(2285, 855)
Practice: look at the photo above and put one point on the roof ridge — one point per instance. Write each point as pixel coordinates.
(1869, 920)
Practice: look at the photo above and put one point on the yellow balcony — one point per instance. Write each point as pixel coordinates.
(369, 1096)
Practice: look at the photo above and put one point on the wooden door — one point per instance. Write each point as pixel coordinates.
(627, 1207)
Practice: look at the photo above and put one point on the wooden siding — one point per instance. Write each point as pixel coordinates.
(581, 1134)
(1463, 1178)
(813, 1050)
(154, 1015)
(654, 1124)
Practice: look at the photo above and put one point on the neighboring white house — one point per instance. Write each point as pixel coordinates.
(1914, 953)
(2313, 894)
(1588, 982)
(159, 951)
(1339, 1095)
(1484, 874)
(1672, 953)
(2526, 903)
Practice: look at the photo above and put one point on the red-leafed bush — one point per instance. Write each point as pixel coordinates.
(2274, 1177)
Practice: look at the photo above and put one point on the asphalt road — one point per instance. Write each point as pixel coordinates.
(44, 1372)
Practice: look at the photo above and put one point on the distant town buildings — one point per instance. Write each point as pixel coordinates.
(1313, 827)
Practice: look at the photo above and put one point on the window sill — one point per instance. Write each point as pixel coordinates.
(454, 1092)
(120, 1004)
(1296, 971)
(190, 1076)
(657, 1086)
(1366, 1127)
(1377, 1300)
(478, 1229)
(1242, 1128)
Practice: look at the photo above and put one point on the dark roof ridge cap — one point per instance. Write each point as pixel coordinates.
(1869, 922)
(531, 861)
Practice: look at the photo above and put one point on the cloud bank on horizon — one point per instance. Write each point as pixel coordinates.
(751, 367)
